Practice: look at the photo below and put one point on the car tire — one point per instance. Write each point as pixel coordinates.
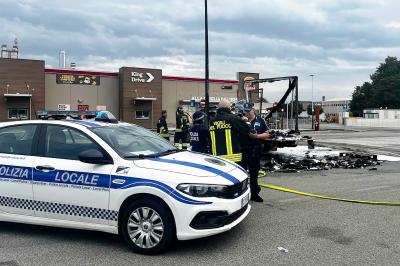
(147, 226)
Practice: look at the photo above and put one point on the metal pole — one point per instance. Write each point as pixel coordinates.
(30, 100)
(312, 101)
(296, 106)
(291, 111)
(287, 116)
(207, 77)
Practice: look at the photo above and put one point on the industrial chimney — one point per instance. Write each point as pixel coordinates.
(4, 51)
(11, 53)
(62, 59)
(14, 50)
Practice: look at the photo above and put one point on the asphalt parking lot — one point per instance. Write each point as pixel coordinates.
(375, 140)
(314, 231)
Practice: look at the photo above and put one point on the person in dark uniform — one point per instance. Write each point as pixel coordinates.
(162, 128)
(182, 129)
(226, 132)
(199, 134)
(252, 149)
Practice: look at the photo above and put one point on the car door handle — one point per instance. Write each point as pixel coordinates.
(45, 168)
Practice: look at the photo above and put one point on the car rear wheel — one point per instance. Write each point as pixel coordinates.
(147, 226)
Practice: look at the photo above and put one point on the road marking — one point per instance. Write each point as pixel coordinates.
(292, 200)
(370, 188)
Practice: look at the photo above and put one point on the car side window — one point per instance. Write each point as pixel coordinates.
(17, 139)
(66, 143)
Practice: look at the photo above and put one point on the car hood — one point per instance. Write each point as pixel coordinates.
(189, 163)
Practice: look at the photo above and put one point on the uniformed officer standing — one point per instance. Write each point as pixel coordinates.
(252, 149)
(199, 134)
(226, 131)
(182, 129)
(162, 128)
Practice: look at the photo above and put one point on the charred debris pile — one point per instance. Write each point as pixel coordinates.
(286, 162)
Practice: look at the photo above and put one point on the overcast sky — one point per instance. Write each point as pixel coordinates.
(341, 42)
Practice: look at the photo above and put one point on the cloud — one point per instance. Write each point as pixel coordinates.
(341, 42)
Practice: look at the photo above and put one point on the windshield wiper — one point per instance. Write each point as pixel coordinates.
(139, 156)
(143, 156)
(167, 152)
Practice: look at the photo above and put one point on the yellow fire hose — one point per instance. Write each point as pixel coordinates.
(327, 197)
(262, 173)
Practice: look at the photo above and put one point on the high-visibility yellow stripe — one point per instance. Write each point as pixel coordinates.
(237, 157)
(213, 146)
(228, 141)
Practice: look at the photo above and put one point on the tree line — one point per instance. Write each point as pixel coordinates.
(383, 91)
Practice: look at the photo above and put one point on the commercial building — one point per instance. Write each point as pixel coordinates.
(135, 95)
(333, 107)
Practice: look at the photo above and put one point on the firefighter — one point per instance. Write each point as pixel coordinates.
(252, 148)
(181, 136)
(162, 128)
(226, 131)
(199, 134)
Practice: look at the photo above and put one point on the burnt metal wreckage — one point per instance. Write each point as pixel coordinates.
(345, 160)
(279, 139)
(290, 138)
(293, 87)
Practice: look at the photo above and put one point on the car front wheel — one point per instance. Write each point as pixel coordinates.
(147, 226)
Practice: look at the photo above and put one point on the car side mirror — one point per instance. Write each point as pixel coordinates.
(93, 156)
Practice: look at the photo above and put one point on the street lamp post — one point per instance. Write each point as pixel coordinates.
(30, 101)
(207, 78)
(312, 100)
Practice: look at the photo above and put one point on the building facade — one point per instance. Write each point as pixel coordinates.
(20, 80)
(334, 107)
(135, 95)
(376, 118)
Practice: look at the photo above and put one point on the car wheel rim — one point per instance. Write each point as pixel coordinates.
(145, 227)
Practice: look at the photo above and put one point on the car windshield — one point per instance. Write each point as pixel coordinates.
(131, 141)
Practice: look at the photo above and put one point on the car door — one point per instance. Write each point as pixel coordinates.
(65, 187)
(18, 144)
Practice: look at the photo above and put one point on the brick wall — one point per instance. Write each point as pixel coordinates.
(18, 73)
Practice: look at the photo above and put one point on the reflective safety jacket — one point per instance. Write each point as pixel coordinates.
(162, 127)
(226, 131)
(182, 122)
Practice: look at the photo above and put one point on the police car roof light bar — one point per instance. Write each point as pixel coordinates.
(106, 116)
(103, 116)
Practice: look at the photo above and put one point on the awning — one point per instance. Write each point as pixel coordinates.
(145, 99)
(15, 95)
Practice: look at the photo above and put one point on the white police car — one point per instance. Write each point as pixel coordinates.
(117, 178)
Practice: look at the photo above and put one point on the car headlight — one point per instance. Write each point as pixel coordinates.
(200, 190)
